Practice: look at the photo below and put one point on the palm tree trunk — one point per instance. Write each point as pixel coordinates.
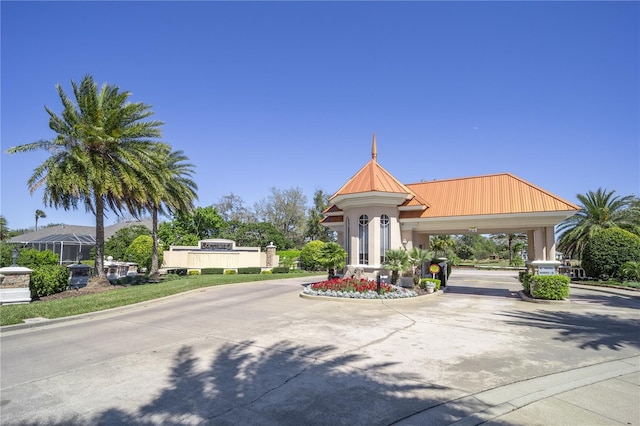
(99, 262)
(154, 253)
(510, 250)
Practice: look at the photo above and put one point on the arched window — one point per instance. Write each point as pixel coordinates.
(385, 236)
(363, 240)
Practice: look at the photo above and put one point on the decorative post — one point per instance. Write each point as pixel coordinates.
(14, 287)
(271, 253)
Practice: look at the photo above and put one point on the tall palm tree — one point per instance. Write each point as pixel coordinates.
(169, 191)
(104, 145)
(39, 215)
(599, 210)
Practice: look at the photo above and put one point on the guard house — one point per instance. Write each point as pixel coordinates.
(219, 253)
(374, 212)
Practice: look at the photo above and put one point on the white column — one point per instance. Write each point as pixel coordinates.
(540, 245)
(550, 243)
(531, 246)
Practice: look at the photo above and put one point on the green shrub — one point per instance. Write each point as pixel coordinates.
(140, 251)
(525, 279)
(32, 258)
(309, 256)
(550, 287)
(630, 271)
(249, 270)
(424, 281)
(212, 271)
(516, 261)
(48, 279)
(266, 272)
(280, 270)
(288, 258)
(194, 272)
(230, 272)
(606, 252)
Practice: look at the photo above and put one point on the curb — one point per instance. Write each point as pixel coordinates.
(498, 401)
(372, 301)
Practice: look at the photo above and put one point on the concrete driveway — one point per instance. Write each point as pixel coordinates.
(258, 354)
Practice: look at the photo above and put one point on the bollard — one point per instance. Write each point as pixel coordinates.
(378, 283)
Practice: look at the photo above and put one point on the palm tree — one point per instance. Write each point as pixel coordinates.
(417, 257)
(510, 238)
(440, 243)
(4, 229)
(599, 210)
(102, 150)
(396, 260)
(39, 215)
(332, 256)
(173, 192)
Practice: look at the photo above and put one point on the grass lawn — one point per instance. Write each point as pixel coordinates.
(15, 314)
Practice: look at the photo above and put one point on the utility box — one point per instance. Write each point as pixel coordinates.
(79, 275)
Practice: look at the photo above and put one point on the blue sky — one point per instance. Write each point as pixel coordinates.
(288, 94)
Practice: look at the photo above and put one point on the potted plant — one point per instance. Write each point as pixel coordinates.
(430, 284)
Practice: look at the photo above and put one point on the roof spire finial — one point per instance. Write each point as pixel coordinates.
(374, 148)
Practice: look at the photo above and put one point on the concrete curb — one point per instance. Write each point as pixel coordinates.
(527, 298)
(493, 403)
(372, 301)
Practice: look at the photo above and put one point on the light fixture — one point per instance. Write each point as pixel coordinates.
(404, 243)
(14, 256)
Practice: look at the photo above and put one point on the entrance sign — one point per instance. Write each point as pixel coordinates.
(546, 270)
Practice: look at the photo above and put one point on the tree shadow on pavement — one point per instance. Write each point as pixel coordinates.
(589, 330)
(614, 301)
(480, 291)
(284, 384)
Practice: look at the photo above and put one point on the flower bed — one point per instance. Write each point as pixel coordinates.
(353, 288)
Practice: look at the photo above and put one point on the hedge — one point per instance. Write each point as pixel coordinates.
(212, 271)
(280, 270)
(250, 270)
(549, 287)
(48, 279)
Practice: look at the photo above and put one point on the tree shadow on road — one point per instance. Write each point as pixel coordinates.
(614, 301)
(284, 384)
(480, 291)
(588, 330)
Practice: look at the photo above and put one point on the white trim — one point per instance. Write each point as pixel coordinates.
(368, 199)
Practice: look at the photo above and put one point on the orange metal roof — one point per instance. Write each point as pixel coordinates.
(484, 195)
(372, 177)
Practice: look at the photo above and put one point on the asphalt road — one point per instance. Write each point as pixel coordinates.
(258, 354)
